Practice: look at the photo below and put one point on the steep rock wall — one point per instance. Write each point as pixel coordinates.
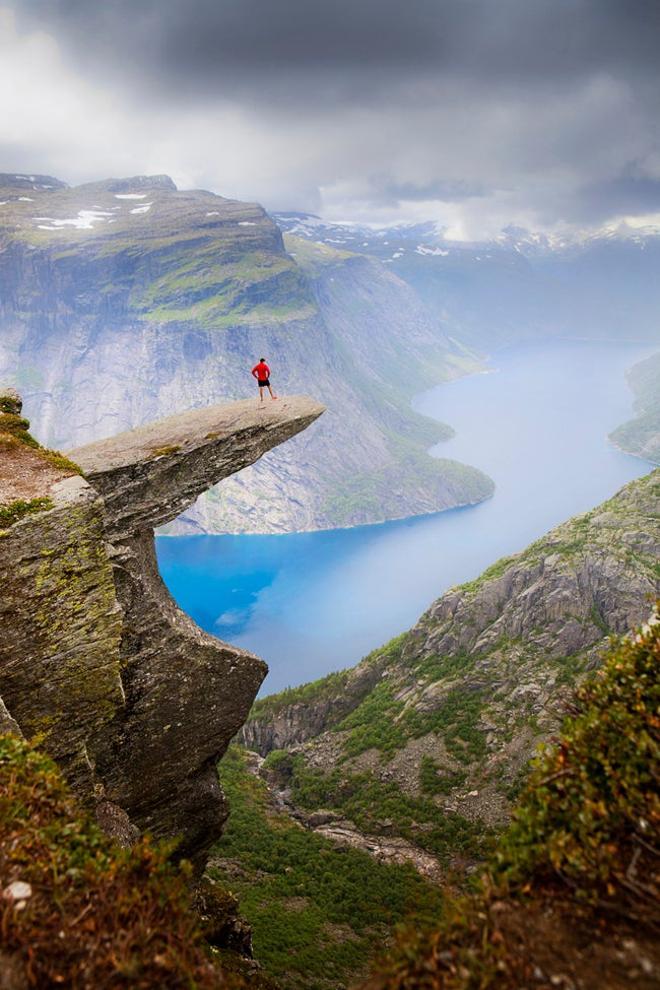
(485, 673)
(126, 300)
(135, 701)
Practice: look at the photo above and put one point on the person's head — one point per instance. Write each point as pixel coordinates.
(263, 360)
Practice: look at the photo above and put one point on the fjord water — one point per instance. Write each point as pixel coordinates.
(310, 603)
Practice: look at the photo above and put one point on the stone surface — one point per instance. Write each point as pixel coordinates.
(491, 664)
(60, 626)
(133, 699)
(149, 475)
(111, 318)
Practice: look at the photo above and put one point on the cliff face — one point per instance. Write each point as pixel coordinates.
(127, 300)
(135, 701)
(449, 714)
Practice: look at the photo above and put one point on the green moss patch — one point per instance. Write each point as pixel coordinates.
(164, 451)
(14, 431)
(10, 514)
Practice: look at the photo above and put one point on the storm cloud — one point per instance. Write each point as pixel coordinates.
(477, 113)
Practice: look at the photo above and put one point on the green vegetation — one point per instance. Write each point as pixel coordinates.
(313, 256)
(311, 693)
(369, 802)
(10, 514)
(383, 722)
(433, 780)
(434, 668)
(380, 494)
(16, 426)
(318, 911)
(583, 838)
(9, 405)
(591, 805)
(14, 431)
(641, 435)
(88, 913)
(164, 451)
(373, 724)
(455, 719)
(218, 288)
(329, 687)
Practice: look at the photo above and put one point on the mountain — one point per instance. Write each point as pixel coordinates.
(518, 286)
(127, 299)
(641, 435)
(429, 737)
(571, 895)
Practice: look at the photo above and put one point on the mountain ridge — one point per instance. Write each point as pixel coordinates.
(124, 300)
(449, 713)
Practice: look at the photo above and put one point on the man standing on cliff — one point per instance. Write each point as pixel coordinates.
(261, 372)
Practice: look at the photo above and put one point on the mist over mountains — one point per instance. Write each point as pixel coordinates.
(520, 285)
(127, 299)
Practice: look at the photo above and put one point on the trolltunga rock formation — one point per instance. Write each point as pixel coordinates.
(133, 699)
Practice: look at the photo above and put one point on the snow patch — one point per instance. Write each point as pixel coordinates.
(213, 213)
(421, 249)
(25, 199)
(130, 195)
(246, 223)
(142, 209)
(84, 221)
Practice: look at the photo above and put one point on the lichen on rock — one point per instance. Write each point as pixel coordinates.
(132, 698)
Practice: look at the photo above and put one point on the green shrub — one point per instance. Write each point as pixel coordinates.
(368, 801)
(318, 910)
(10, 514)
(433, 781)
(579, 857)
(97, 915)
(592, 805)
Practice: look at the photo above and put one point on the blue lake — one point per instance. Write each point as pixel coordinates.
(310, 603)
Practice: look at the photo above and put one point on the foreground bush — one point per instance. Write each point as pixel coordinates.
(572, 898)
(79, 912)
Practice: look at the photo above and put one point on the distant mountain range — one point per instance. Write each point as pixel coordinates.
(127, 299)
(519, 286)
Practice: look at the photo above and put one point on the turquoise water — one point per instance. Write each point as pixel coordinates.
(310, 603)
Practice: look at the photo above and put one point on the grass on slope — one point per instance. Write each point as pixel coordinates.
(318, 911)
(375, 805)
(78, 911)
(215, 291)
(575, 878)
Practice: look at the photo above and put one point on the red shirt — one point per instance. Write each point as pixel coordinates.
(261, 371)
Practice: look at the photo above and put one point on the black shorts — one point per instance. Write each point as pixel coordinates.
(263, 384)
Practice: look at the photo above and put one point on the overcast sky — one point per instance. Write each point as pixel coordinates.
(476, 113)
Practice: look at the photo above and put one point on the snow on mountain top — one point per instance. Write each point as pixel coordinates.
(84, 221)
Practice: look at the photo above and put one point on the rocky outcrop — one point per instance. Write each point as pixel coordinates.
(455, 707)
(133, 699)
(284, 725)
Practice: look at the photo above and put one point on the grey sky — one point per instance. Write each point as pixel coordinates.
(477, 113)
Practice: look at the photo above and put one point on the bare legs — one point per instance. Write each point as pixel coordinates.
(261, 392)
